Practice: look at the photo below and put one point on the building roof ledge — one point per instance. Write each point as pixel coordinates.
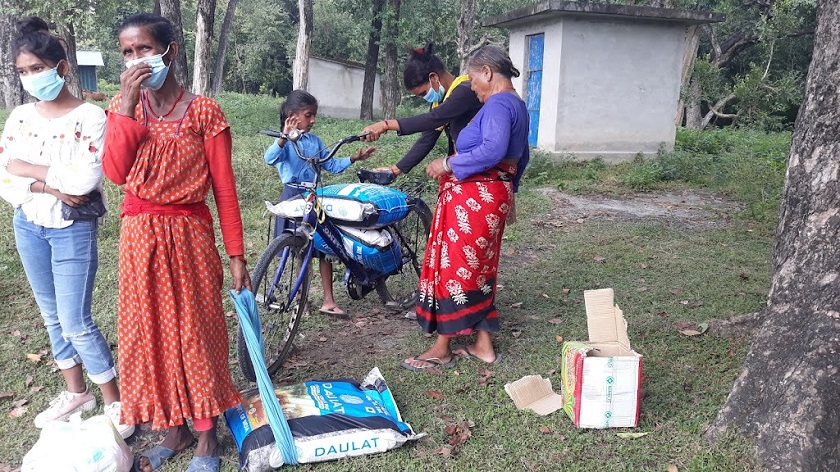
(561, 8)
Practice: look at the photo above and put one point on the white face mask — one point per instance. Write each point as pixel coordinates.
(159, 69)
(44, 86)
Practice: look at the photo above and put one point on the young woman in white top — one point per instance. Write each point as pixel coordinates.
(50, 155)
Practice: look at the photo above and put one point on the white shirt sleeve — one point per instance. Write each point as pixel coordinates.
(82, 173)
(14, 189)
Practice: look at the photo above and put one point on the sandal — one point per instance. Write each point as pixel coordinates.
(432, 363)
(158, 454)
(204, 464)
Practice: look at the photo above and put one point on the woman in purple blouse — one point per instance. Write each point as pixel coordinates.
(458, 279)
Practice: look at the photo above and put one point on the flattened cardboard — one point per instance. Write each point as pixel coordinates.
(535, 393)
(605, 320)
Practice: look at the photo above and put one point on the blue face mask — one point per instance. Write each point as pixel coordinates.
(159, 70)
(434, 96)
(44, 86)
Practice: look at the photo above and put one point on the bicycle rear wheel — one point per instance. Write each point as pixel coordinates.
(399, 291)
(275, 276)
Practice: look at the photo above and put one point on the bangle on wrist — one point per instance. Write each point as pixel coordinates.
(446, 167)
(43, 187)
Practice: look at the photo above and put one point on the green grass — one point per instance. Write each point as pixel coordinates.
(687, 378)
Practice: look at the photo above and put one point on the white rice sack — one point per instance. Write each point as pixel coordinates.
(329, 419)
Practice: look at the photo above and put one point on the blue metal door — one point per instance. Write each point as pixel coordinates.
(536, 47)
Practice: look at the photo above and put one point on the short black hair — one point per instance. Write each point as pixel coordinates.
(34, 38)
(157, 26)
(421, 62)
(295, 101)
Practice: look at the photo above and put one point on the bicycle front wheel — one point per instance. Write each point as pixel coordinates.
(399, 291)
(281, 287)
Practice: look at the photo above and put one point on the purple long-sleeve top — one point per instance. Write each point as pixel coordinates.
(498, 132)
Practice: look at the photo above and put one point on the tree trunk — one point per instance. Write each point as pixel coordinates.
(391, 92)
(203, 46)
(692, 44)
(221, 54)
(372, 61)
(300, 68)
(171, 10)
(786, 397)
(466, 27)
(693, 111)
(66, 32)
(11, 92)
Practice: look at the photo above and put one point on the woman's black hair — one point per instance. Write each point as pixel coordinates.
(421, 62)
(157, 26)
(496, 58)
(35, 38)
(296, 100)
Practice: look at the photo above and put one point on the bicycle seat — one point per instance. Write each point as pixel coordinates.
(380, 177)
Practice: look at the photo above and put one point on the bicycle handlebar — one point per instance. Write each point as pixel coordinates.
(295, 134)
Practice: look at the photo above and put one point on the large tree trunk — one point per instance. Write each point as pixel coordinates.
(693, 107)
(372, 61)
(224, 36)
(66, 32)
(466, 27)
(171, 10)
(11, 93)
(203, 46)
(391, 92)
(786, 397)
(692, 44)
(300, 68)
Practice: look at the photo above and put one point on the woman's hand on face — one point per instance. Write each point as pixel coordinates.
(374, 131)
(363, 154)
(435, 169)
(239, 273)
(130, 81)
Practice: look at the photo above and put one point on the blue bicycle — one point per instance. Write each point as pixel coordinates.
(282, 275)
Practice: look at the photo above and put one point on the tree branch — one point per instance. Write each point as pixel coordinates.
(714, 113)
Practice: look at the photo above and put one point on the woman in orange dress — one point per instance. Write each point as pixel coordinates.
(168, 148)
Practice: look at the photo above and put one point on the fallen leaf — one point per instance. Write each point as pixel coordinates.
(517, 305)
(16, 412)
(445, 451)
(744, 276)
(21, 402)
(6, 395)
(435, 394)
(555, 321)
(16, 333)
(703, 327)
(684, 302)
(690, 332)
(631, 435)
(566, 291)
(730, 352)
(676, 291)
(600, 259)
(551, 372)
(559, 338)
(545, 295)
(36, 389)
(516, 334)
(36, 358)
(322, 339)
(230, 314)
(673, 468)
(545, 429)
(559, 437)
(684, 324)
(28, 380)
(642, 289)
(643, 266)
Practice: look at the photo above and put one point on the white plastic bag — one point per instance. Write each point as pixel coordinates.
(92, 445)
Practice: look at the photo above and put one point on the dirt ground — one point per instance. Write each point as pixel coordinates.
(373, 330)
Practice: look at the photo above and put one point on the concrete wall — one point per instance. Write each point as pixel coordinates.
(338, 88)
(610, 88)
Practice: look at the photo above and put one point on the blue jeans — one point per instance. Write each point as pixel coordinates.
(61, 264)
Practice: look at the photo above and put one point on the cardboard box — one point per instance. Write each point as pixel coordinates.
(534, 393)
(601, 378)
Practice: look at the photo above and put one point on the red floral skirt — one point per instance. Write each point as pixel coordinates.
(458, 279)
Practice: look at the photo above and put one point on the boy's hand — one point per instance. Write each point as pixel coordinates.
(362, 154)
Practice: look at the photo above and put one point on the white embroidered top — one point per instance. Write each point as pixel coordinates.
(70, 145)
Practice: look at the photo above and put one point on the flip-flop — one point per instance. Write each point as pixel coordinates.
(204, 464)
(433, 363)
(334, 311)
(472, 356)
(158, 454)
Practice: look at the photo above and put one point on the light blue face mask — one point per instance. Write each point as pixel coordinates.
(44, 86)
(159, 70)
(434, 96)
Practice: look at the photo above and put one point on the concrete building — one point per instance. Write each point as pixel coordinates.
(88, 61)
(600, 80)
(337, 84)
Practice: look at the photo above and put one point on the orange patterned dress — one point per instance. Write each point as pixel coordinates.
(173, 339)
